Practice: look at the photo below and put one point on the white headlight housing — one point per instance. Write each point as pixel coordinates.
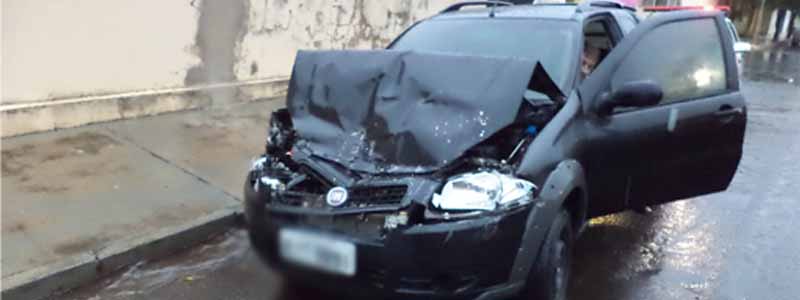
(257, 164)
(485, 190)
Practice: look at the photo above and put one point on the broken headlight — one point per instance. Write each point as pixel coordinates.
(486, 190)
(257, 167)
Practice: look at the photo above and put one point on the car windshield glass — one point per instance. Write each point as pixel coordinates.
(551, 42)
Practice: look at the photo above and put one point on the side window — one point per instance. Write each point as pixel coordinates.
(598, 40)
(692, 69)
(626, 21)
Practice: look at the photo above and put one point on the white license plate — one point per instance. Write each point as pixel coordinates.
(317, 251)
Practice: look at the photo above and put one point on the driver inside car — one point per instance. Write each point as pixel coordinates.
(589, 59)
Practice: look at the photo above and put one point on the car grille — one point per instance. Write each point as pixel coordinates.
(380, 195)
(365, 196)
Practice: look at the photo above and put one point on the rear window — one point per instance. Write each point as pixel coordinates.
(551, 42)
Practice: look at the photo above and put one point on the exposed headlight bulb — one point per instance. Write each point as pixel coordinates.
(486, 190)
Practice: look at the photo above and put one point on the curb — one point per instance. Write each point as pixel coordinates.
(84, 268)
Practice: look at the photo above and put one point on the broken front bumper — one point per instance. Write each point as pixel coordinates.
(470, 258)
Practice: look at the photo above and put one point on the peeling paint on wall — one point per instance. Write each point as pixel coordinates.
(124, 46)
(278, 28)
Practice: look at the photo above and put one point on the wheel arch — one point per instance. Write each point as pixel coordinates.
(565, 187)
(577, 206)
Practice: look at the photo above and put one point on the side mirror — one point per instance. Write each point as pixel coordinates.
(742, 47)
(631, 94)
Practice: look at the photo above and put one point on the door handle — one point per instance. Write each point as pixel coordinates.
(727, 111)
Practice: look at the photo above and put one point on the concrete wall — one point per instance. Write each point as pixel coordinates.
(72, 62)
(277, 28)
(65, 48)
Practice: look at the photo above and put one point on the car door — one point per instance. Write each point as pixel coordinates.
(688, 144)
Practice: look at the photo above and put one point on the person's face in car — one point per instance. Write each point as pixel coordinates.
(589, 59)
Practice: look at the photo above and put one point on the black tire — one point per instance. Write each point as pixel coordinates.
(294, 289)
(549, 276)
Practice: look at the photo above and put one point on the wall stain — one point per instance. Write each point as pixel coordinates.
(220, 30)
(275, 26)
(345, 25)
(253, 68)
(280, 4)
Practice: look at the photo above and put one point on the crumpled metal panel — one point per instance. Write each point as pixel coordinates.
(392, 111)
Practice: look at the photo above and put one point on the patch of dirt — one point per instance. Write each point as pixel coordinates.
(257, 118)
(82, 173)
(77, 246)
(103, 170)
(16, 227)
(45, 189)
(17, 152)
(163, 217)
(54, 156)
(88, 142)
(217, 136)
(26, 224)
(189, 124)
(211, 122)
(31, 165)
(11, 163)
(225, 119)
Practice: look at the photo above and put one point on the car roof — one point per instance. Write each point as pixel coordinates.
(526, 11)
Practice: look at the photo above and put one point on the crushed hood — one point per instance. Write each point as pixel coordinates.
(392, 111)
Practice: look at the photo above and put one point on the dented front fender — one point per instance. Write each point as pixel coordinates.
(568, 176)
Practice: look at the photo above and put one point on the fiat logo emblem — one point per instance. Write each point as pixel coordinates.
(336, 196)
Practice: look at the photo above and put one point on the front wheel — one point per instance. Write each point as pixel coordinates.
(549, 276)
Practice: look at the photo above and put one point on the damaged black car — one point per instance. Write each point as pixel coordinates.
(464, 160)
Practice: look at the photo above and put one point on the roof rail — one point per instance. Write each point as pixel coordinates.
(588, 4)
(725, 8)
(458, 6)
(549, 2)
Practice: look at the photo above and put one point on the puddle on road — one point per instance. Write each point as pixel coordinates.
(630, 255)
(782, 66)
(147, 276)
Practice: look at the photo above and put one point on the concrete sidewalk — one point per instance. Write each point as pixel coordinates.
(81, 203)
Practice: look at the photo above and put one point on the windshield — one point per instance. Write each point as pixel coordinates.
(551, 42)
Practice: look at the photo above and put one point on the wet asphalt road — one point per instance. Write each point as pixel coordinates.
(740, 244)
